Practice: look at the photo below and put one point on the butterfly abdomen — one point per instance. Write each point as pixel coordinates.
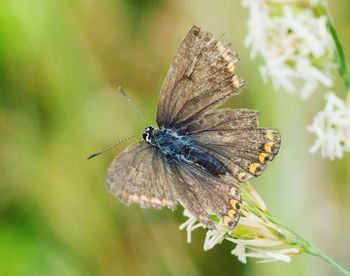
(204, 160)
(184, 149)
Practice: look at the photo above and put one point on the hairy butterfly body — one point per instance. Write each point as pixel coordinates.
(199, 154)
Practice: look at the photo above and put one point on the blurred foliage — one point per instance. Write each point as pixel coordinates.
(60, 64)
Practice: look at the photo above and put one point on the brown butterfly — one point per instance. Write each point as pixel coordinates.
(198, 154)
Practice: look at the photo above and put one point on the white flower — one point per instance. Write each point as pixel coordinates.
(255, 197)
(332, 128)
(255, 236)
(239, 251)
(191, 224)
(294, 42)
(242, 252)
(213, 237)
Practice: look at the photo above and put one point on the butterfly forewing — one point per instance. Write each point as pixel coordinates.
(139, 175)
(201, 77)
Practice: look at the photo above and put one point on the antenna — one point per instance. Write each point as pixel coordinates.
(109, 148)
(133, 105)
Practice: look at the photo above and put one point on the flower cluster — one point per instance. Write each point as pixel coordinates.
(332, 128)
(294, 42)
(257, 235)
(299, 45)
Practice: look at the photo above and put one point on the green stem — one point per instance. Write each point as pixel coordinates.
(343, 66)
(315, 252)
(329, 260)
(291, 237)
(306, 245)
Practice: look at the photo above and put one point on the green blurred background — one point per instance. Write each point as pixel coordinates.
(60, 64)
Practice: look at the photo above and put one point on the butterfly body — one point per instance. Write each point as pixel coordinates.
(199, 154)
(179, 147)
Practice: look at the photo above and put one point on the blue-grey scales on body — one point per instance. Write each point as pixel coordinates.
(182, 148)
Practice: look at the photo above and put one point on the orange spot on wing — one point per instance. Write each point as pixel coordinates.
(253, 167)
(268, 147)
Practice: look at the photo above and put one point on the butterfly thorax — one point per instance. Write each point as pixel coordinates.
(182, 148)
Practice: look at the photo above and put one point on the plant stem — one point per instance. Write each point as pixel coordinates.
(315, 252)
(343, 66)
(289, 236)
(345, 74)
(329, 260)
(307, 246)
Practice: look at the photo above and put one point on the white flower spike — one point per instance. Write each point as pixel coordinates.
(332, 128)
(294, 42)
(257, 235)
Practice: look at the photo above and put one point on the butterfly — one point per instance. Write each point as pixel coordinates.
(198, 155)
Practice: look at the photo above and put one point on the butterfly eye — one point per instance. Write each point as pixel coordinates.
(145, 136)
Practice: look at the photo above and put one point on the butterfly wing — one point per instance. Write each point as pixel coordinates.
(224, 119)
(200, 78)
(233, 137)
(140, 175)
(202, 193)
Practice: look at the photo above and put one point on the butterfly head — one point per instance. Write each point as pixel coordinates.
(148, 135)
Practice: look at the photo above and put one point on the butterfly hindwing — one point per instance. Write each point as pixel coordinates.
(201, 77)
(139, 175)
(224, 119)
(236, 140)
(202, 193)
